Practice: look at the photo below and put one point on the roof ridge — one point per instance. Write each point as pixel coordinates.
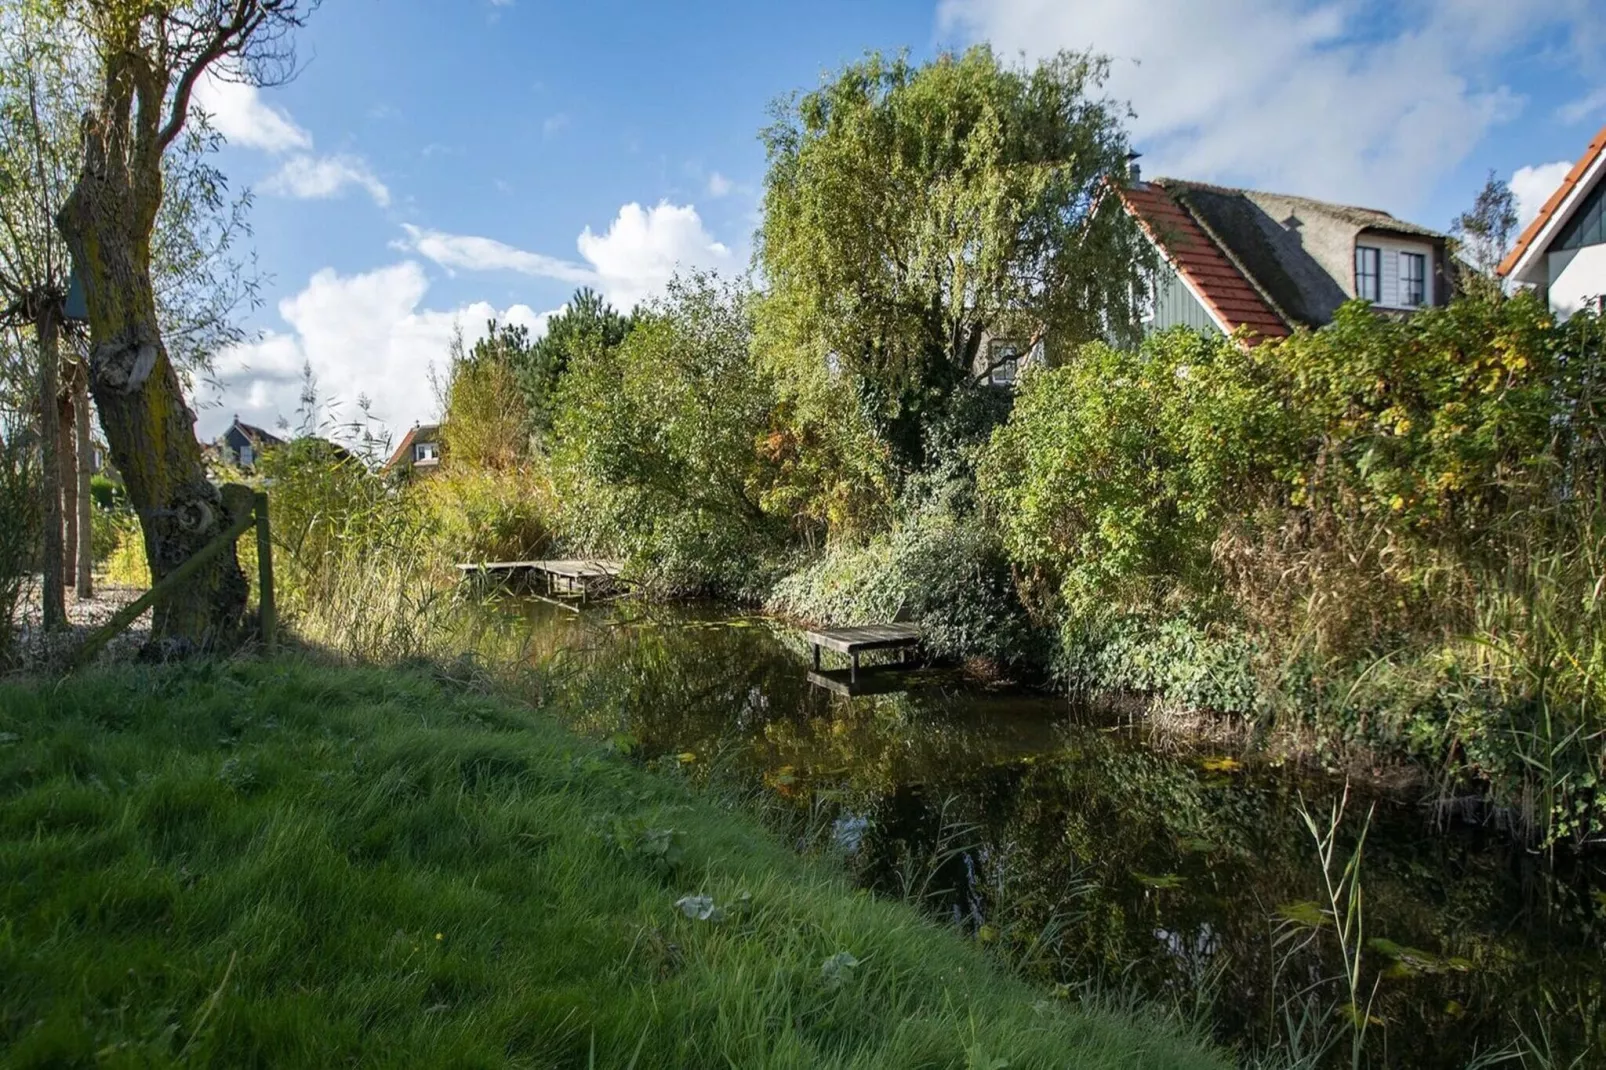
(1232, 258)
(1216, 188)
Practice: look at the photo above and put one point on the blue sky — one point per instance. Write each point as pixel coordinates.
(438, 162)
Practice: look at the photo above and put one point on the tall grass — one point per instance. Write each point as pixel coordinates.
(281, 863)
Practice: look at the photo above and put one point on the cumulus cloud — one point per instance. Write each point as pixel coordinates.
(629, 262)
(1354, 100)
(643, 247)
(237, 111)
(323, 177)
(1532, 186)
(365, 335)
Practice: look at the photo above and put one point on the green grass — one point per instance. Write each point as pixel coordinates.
(281, 863)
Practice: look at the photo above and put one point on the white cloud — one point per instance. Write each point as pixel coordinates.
(643, 247)
(365, 335)
(322, 177)
(1532, 186)
(1354, 100)
(719, 185)
(1585, 107)
(630, 262)
(468, 253)
(237, 111)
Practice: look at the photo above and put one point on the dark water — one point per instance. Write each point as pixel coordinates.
(1078, 849)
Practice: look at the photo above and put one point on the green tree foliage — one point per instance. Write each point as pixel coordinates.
(1485, 233)
(656, 446)
(491, 497)
(486, 414)
(912, 213)
(1116, 470)
(587, 322)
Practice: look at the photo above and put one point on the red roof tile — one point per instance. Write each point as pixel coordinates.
(1223, 288)
(1531, 232)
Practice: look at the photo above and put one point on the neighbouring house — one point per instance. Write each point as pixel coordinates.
(1562, 253)
(242, 445)
(1269, 263)
(419, 451)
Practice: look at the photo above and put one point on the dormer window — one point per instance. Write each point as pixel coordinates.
(424, 451)
(1413, 280)
(1369, 273)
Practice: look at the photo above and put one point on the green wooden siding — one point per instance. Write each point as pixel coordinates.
(1175, 306)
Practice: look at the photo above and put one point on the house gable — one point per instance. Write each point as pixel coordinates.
(1527, 263)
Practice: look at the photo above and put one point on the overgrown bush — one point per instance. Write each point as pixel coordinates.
(1389, 529)
(656, 447)
(947, 573)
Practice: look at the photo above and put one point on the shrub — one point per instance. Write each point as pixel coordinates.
(656, 448)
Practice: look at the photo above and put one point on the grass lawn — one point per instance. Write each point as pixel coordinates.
(281, 863)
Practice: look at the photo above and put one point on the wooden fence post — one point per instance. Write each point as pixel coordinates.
(267, 608)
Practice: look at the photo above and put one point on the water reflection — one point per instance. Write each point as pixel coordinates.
(1076, 850)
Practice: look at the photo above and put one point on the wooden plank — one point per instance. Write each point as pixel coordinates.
(570, 568)
(879, 681)
(866, 637)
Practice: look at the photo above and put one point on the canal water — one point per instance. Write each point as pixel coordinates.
(1096, 860)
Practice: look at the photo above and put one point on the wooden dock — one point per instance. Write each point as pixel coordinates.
(567, 582)
(855, 641)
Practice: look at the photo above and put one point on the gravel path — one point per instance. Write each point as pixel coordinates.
(41, 649)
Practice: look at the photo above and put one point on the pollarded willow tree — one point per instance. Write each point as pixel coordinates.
(914, 212)
(38, 76)
(150, 55)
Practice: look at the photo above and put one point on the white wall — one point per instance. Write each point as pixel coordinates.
(1576, 276)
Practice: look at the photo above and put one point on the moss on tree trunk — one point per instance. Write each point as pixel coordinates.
(107, 223)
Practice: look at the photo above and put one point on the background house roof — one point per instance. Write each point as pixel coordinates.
(418, 433)
(256, 434)
(1554, 204)
(1218, 283)
(1296, 254)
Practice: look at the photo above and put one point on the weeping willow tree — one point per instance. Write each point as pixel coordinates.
(148, 56)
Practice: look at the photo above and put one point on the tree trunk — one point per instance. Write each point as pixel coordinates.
(86, 474)
(107, 223)
(67, 457)
(46, 325)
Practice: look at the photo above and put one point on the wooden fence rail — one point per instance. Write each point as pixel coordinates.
(257, 515)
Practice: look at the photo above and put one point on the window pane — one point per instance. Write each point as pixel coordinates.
(1413, 279)
(1588, 224)
(1368, 273)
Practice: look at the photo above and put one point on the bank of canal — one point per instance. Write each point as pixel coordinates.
(1086, 855)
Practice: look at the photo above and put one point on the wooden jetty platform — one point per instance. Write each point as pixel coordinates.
(568, 582)
(855, 641)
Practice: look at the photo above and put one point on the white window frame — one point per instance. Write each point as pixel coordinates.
(1375, 275)
(246, 457)
(1005, 372)
(1408, 257)
(424, 451)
